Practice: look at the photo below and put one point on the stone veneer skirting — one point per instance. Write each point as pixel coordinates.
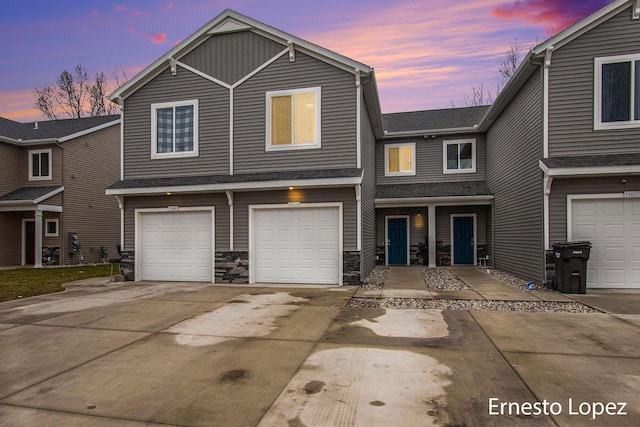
(233, 267)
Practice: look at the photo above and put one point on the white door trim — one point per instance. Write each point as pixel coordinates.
(386, 237)
(138, 244)
(294, 205)
(475, 236)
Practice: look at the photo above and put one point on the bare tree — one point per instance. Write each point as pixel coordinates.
(509, 64)
(479, 96)
(75, 96)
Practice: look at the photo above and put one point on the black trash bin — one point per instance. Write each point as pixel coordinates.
(571, 266)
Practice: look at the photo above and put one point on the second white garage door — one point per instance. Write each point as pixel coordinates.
(296, 245)
(175, 246)
(613, 228)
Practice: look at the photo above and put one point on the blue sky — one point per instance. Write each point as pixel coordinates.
(427, 54)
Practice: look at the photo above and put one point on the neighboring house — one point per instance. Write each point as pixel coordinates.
(54, 176)
(250, 155)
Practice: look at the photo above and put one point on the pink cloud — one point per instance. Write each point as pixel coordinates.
(120, 8)
(134, 12)
(158, 38)
(553, 14)
(169, 6)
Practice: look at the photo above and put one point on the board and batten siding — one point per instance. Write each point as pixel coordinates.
(91, 164)
(232, 56)
(213, 127)
(56, 166)
(562, 187)
(368, 194)
(243, 200)
(571, 90)
(515, 179)
(217, 200)
(11, 175)
(338, 121)
(429, 161)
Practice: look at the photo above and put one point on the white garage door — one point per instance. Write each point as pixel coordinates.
(296, 245)
(175, 246)
(613, 227)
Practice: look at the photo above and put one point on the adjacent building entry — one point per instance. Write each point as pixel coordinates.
(397, 240)
(463, 239)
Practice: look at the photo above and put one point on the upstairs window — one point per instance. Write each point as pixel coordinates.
(39, 165)
(400, 159)
(174, 129)
(617, 90)
(293, 119)
(459, 156)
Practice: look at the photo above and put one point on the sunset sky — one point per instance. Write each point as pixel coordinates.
(427, 54)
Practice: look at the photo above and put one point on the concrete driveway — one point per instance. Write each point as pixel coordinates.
(200, 355)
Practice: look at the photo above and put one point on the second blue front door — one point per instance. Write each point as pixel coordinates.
(397, 241)
(463, 245)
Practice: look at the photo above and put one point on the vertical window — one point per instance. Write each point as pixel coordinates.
(174, 129)
(617, 92)
(51, 227)
(39, 165)
(459, 156)
(399, 159)
(293, 119)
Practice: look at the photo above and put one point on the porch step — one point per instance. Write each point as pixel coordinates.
(408, 277)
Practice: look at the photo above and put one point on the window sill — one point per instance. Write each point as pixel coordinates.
(155, 156)
(292, 147)
(457, 171)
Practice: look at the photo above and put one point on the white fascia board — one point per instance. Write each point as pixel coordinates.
(590, 171)
(240, 186)
(29, 142)
(49, 194)
(427, 132)
(90, 130)
(21, 205)
(436, 201)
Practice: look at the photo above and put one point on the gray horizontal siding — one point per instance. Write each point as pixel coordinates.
(515, 179)
(338, 122)
(218, 200)
(213, 132)
(368, 194)
(571, 90)
(563, 187)
(429, 155)
(242, 201)
(9, 159)
(230, 57)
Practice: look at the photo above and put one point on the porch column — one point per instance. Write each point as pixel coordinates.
(431, 231)
(38, 239)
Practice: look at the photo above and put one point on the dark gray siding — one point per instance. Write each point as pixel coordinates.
(9, 164)
(571, 90)
(10, 231)
(213, 127)
(91, 163)
(330, 195)
(218, 200)
(368, 194)
(338, 125)
(563, 187)
(429, 154)
(513, 150)
(230, 57)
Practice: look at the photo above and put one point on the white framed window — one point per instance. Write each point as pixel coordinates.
(400, 159)
(174, 129)
(39, 165)
(293, 119)
(459, 156)
(617, 92)
(51, 227)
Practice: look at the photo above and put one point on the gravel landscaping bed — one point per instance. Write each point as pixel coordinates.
(515, 281)
(493, 305)
(441, 279)
(376, 278)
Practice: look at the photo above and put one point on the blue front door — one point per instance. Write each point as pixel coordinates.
(463, 247)
(397, 241)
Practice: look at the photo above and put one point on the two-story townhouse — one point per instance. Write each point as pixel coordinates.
(54, 176)
(248, 156)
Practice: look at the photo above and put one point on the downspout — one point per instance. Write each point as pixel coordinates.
(545, 102)
(120, 200)
(230, 202)
(358, 119)
(358, 189)
(121, 104)
(231, 134)
(547, 181)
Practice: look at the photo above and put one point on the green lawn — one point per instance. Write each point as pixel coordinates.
(28, 282)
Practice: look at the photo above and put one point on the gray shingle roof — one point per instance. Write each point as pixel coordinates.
(50, 128)
(434, 189)
(449, 118)
(592, 161)
(233, 179)
(28, 193)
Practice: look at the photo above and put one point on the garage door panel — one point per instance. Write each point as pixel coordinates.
(306, 247)
(612, 226)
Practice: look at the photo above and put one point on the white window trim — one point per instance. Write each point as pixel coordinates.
(318, 144)
(40, 178)
(386, 159)
(46, 227)
(459, 141)
(154, 129)
(597, 90)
